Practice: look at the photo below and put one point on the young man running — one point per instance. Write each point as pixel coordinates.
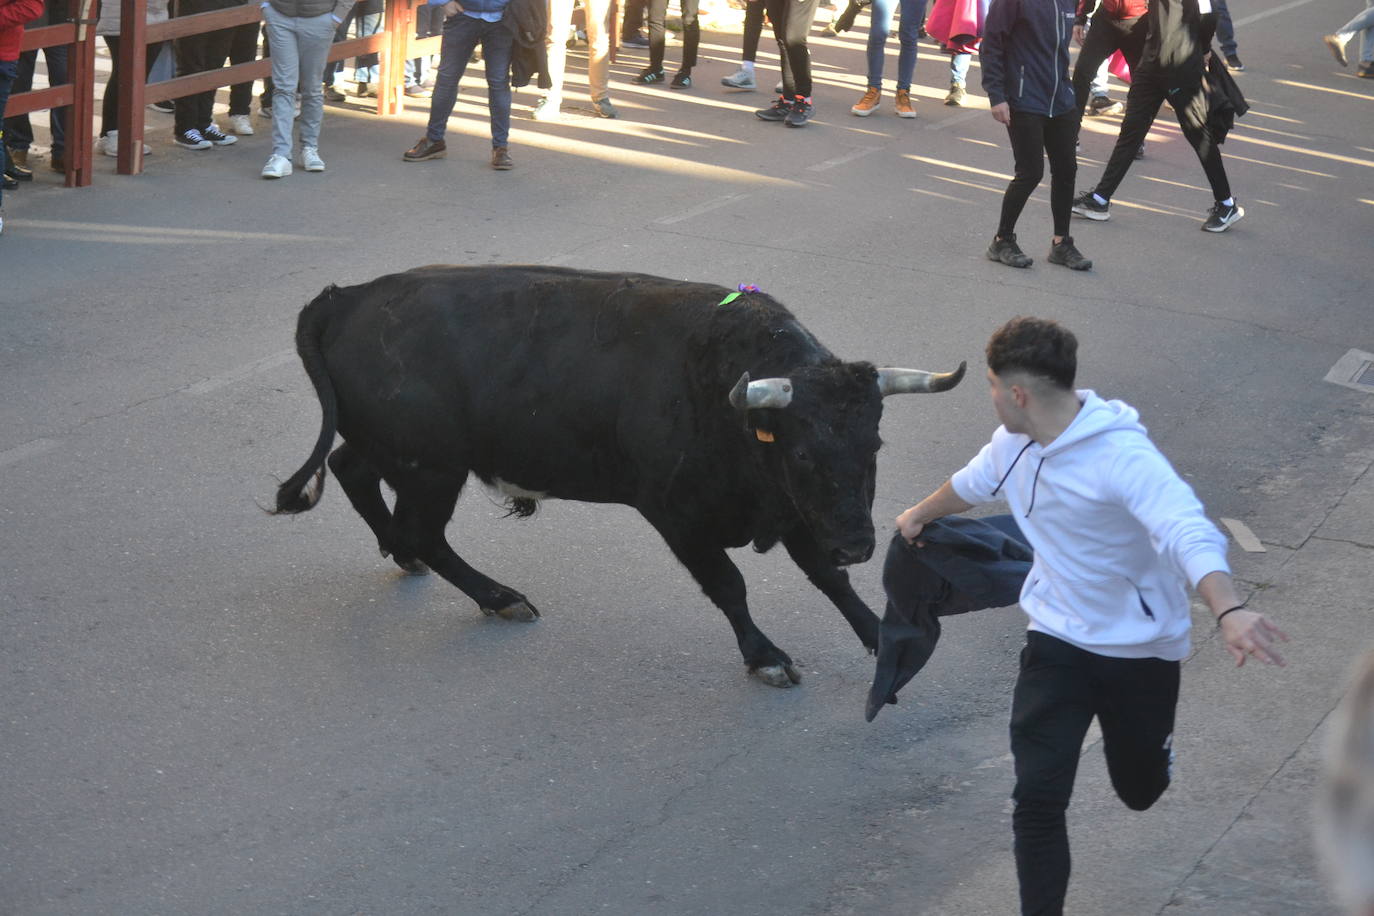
(1118, 538)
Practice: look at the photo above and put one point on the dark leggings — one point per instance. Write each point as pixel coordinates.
(109, 106)
(1060, 689)
(691, 33)
(1033, 137)
(791, 23)
(1106, 36)
(753, 29)
(1148, 92)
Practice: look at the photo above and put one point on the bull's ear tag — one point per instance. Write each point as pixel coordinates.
(728, 299)
(763, 435)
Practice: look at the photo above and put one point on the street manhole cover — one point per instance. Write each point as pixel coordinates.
(1354, 370)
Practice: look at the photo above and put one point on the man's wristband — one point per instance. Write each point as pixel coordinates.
(1239, 607)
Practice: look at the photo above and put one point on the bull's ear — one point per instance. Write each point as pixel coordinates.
(918, 381)
(766, 392)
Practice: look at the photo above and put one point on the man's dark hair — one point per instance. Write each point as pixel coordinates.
(1036, 346)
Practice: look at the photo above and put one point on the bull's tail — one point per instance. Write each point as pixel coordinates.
(300, 493)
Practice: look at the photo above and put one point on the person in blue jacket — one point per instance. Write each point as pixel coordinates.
(1025, 56)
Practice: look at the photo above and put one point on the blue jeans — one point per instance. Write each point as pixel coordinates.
(8, 68)
(462, 35)
(19, 130)
(958, 68)
(1226, 32)
(1364, 24)
(913, 14)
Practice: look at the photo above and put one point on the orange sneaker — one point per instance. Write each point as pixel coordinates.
(869, 103)
(904, 107)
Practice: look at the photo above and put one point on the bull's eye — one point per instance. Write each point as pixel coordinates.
(802, 456)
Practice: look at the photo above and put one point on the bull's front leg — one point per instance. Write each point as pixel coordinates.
(720, 579)
(834, 584)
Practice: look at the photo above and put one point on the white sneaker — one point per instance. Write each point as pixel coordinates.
(2, 225)
(277, 167)
(310, 159)
(241, 125)
(740, 79)
(109, 145)
(549, 108)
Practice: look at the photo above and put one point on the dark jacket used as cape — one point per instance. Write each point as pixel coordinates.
(966, 564)
(528, 20)
(1217, 104)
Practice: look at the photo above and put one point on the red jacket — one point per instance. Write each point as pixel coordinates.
(13, 15)
(1115, 9)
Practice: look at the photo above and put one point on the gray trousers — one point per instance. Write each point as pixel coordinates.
(299, 46)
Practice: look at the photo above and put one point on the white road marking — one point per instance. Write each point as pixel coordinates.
(1265, 14)
(841, 160)
(29, 449)
(215, 382)
(702, 208)
(1243, 535)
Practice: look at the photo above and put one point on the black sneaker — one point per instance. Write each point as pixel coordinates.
(637, 40)
(1221, 217)
(681, 80)
(801, 112)
(1008, 252)
(1233, 63)
(1064, 253)
(1086, 205)
(1101, 106)
(191, 139)
(217, 136)
(167, 107)
(647, 76)
(333, 95)
(778, 111)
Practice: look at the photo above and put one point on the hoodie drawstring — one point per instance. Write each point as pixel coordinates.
(1034, 482)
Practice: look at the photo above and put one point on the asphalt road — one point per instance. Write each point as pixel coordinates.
(210, 710)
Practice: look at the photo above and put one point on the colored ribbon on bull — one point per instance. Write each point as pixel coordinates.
(743, 288)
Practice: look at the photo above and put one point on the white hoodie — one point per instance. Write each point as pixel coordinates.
(1118, 536)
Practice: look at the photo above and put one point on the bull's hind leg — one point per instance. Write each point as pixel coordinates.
(424, 505)
(720, 579)
(362, 484)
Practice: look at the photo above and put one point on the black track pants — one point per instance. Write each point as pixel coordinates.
(1060, 689)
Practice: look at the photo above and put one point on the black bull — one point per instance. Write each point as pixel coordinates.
(603, 387)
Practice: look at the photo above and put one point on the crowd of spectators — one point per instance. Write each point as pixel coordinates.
(300, 31)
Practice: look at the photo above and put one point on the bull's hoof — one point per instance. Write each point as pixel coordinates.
(777, 675)
(520, 610)
(413, 567)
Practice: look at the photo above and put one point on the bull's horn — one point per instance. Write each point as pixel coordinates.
(766, 392)
(917, 381)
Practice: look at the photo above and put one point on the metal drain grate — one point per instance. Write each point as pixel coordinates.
(1354, 370)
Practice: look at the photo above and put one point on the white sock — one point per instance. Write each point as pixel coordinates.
(1229, 202)
(1099, 198)
(747, 66)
